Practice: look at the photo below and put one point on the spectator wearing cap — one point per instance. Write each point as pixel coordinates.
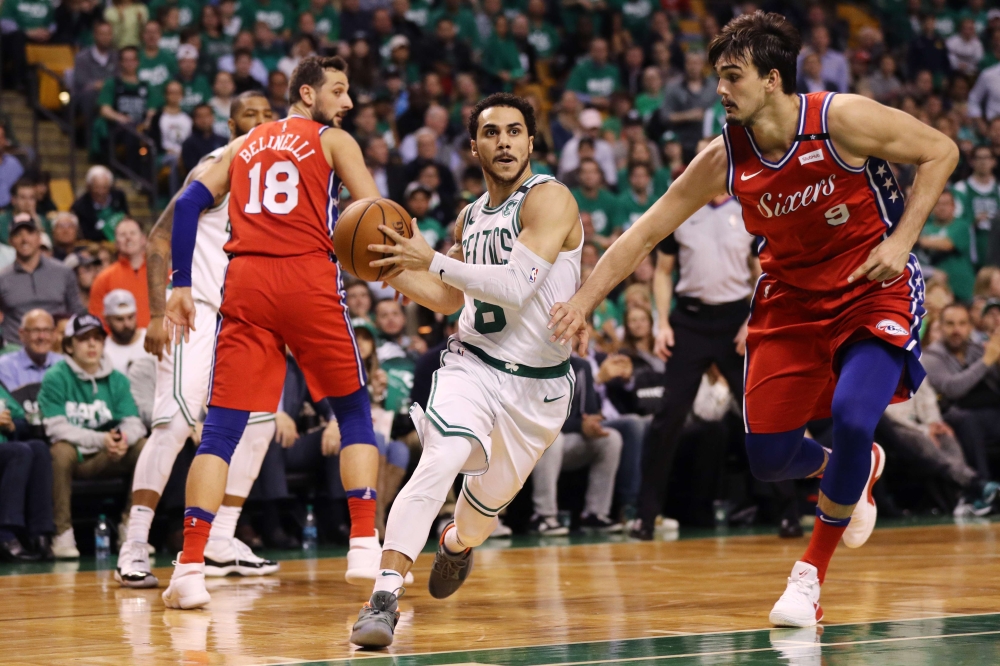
(196, 88)
(23, 201)
(65, 235)
(86, 267)
(22, 371)
(34, 281)
(101, 207)
(400, 59)
(90, 418)
(604, 154)
(127, 338)
(128, 273)
(11, 169)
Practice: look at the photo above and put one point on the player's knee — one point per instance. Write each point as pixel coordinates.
(851, 417)
(769, 454)
(222, 432)
(354, 416)
(171, 435)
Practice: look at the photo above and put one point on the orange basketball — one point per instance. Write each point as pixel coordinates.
(358, 227)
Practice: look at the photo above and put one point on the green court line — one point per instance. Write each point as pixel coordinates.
(954, 640)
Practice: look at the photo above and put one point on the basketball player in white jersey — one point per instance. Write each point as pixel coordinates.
(182, 386)
(503, 390)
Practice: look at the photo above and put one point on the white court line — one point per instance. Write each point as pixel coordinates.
(385, 655)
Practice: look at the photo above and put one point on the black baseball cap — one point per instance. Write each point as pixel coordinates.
(633, 117)
(83, 323)
(22, 221)
(990, 304)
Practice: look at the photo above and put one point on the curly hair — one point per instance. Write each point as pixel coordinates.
(502, 99)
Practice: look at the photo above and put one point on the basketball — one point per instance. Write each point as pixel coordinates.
(358, 227)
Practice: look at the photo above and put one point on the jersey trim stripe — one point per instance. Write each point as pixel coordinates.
(829, 142)
(218, 327)
(794, 147)
(350, 328)
(731, 167)
(332, 212)
(746, 355)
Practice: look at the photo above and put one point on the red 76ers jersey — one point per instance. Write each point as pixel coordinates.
(818, 216)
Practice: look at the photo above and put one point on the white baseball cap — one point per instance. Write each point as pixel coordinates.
(119, 302)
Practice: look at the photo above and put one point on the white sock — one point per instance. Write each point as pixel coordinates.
(140, 518)
(388, 580)
(452, 543)
(224, 525)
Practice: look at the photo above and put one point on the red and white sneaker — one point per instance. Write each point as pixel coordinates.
(799, 605)
(364, 560)
(865, 512)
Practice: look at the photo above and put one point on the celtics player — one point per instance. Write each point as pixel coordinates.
(503, 390)
(182, 386)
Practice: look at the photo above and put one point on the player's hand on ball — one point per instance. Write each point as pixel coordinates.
(412, 254)
(157, 338)
(330, 443)
(886, 261)
(568, 320)
(178, 319)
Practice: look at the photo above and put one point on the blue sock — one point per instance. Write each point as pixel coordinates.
(222, 432)
(779, 456)
(869, 375)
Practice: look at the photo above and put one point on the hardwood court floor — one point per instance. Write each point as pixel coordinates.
(924, 596)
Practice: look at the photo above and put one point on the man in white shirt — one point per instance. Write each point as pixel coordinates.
(604, 155)
(126, 342)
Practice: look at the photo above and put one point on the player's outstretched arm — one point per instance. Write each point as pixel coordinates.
(704, 179)
(419, 285)
(861, 128)
(348, 163)
(550, 222)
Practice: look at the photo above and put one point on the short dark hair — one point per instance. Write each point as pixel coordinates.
(502, 99)
(768, 41)
(956, 305)
(312, 72)
(22, 183)
(240, 52)
(203, 105)
(125, 49)
(982, 146)
(237, 104)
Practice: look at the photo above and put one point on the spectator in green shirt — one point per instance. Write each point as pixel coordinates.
(268, 50)
(277, 14)
(170, 40)
(123, 99)
(461, 16)
(542, 35)
(418, 205)
(156, 66)
(23, 200)
(593, 197)
(649, 100)
(23, 22)
(325, 17)
(637, 199)
(196, 88)
(214, 42)
(594, 79)
(945, 244)
(978, 198)
(501, 58)
(188, 11)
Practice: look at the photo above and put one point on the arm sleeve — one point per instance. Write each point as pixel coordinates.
(509, 285)
(195, 199)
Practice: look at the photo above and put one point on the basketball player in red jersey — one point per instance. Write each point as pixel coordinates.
(835, 316)
(282, 287)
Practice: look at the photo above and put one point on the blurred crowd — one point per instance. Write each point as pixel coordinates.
(623, 96)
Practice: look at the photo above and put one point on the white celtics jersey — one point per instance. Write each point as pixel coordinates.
(514, 338)
(208, 266)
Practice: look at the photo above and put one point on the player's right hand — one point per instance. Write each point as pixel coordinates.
(157, 338)
(568, 320)
(285, 431)
(664, 342)
(178, 319)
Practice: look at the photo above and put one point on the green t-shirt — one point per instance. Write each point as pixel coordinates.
(628, 208)
(635, 15)
(7, 218)
(980, 206)
(431, 230)
(188, 11)
(419, 13)
(327, 22)
(464, 20)
(571, 17)
(269, 57)
(501, 55)
(661, 180)
(16, 410)
(544, 38)
(275, 13)
(647, 104)
(608, 310)
(155, 72)
(29, 14)
(979, 18)
(602, 209)
(132, 99)
(196, 91)
(957, 264)
(99, 405)
(214, 48)
(946, 22)
(170, 42)
(400, 372)
(590, 79)
(541, 168)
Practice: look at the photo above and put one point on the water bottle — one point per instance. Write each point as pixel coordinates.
(102, 539)
(309, 534)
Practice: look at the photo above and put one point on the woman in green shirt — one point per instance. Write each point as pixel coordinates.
(501, 57)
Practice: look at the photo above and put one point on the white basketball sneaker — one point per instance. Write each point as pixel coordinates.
(799, 605)
(228, 556)
(187, 587)
(865, 512)
(133, 566)
(364, 559)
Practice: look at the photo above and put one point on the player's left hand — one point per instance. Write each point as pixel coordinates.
(331, 439)
(178, 318)
(568, 320)
(741, 340)
(408, 253)
(886, 261)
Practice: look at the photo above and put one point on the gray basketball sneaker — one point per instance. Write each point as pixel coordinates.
(376, 621)
(449, 570)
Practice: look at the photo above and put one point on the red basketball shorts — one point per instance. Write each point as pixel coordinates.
(271, 302)
(794, 337)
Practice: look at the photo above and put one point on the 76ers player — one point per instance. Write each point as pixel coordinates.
(282, 287)
(835, 316)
